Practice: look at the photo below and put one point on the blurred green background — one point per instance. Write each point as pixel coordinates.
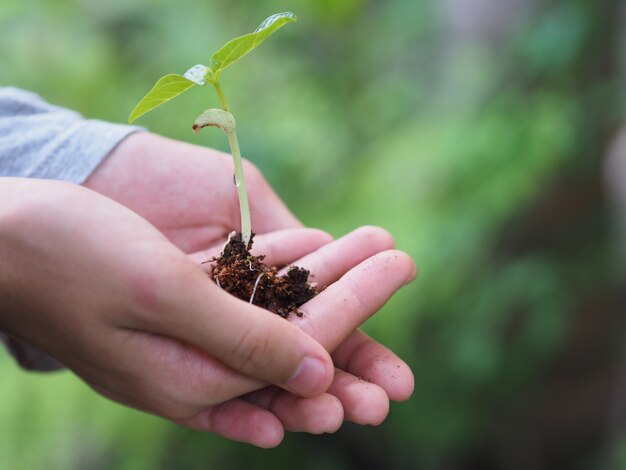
(474, 130)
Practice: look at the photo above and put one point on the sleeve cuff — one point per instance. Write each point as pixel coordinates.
(86, 145)
(28, 356)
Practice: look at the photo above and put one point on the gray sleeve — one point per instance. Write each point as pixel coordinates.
(39, 140)
(29, 357)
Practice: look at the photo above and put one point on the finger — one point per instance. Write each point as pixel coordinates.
(213, 381)
(333, 259)
(363, 402)
(349, 398)
(359, 354)
(279, 248)
(239, 420)
(318, 415)
(332, 316)
(366, 358)
(180, 302)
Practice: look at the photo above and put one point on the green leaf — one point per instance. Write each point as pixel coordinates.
(166, 88)
(237, 48)
(215, 118)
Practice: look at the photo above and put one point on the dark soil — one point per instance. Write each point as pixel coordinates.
(248, 278)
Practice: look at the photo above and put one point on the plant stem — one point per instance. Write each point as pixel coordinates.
(220, 94)
(242, 192)
(240, 180)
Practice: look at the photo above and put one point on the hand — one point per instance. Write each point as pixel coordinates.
(100, 289)
(89, 282)
(375, 373)
(186, 191)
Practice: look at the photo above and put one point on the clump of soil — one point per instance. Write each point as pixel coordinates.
(248, 278)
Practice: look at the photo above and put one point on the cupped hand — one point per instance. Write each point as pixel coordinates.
(187, 192)
(100, 289)
(83, 277)
(361, 272)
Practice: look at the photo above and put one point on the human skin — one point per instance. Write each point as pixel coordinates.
(98, 287)
(186, 192)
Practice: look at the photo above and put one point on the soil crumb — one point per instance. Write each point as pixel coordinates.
(246, 276)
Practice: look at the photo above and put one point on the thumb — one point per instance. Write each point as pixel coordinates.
(250, 340)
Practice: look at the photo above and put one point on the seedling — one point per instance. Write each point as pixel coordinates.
(172, 85)
(236, 270)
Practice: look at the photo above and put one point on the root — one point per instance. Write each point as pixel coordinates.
(256, 284)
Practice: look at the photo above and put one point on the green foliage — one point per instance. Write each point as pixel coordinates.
(165, 89)
(235, 49)
(172, 85)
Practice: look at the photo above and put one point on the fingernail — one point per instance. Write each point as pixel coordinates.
(309, 377)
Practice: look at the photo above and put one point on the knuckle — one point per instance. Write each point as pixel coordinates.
(146, 294)
(152, 290)
(144, 287)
